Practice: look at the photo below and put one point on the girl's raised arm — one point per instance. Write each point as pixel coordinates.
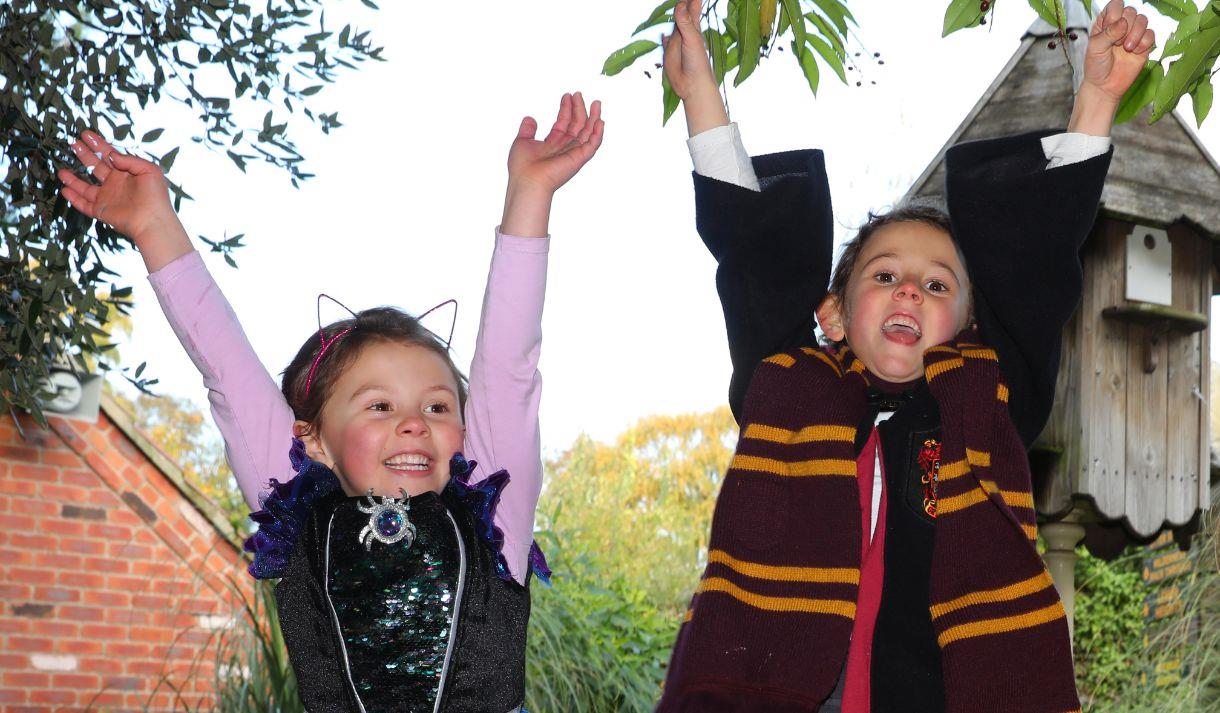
(131, 196)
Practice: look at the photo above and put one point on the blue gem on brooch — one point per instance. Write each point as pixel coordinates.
(388, 521)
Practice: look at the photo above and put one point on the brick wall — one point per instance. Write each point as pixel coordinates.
(115, 576)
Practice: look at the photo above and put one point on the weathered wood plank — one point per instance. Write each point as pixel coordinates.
(1146, 421)
(1184, 380)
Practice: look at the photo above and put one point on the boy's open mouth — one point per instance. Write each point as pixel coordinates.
(409, 462)
(901, 328)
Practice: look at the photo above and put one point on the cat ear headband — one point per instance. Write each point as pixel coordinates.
(327, 343)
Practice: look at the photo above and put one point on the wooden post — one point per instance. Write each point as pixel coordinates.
(1061, 540)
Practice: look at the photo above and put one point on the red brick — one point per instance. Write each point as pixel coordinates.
(12, 695)
(80, 613)
(109, 532)
(82, 546)
(32, 541)
(60, 493)
(34, 506)
(30, 644)
(62, 459)
(106, 701)
(85, 681)
(127, 649)
(54, 629)
(101, 564)
(107, 499)
(27, 679)
(174, 586)
(60, 526)
(127, 550)
(8, 662)
(128, 617)
(79, 479)
(31, 576)
(128, 584)
(151, 601)
(52, 697)
(14, 591)
(123, 683)
(150, 634)
(35, 472)
(18, 625)
(107, 599)
(103, 631)
(106, 473)
(21, 453)
(16, 522)
(56, 594)
(58, 561)
(81, 579)
(101, 664)
(18, 487)
(86, 648)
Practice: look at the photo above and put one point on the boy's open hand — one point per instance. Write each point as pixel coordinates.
(574, 139)
(1119, 45)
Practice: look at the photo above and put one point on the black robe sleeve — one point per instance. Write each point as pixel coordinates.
(773, 251)
(1020, 226)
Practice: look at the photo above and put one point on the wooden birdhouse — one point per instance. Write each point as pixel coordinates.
(1126, 454)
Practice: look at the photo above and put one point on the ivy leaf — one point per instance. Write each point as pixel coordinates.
(1141, 92)
(1202, 96)
(623, 58)
(961, 14)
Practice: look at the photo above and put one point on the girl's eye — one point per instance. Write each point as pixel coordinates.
(937, 286)
(439, 407)
(380, 406)
(885, 278)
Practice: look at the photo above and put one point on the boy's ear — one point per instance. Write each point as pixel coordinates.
(830, 319)
(313, 443)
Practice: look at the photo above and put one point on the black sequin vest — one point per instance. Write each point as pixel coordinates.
(429, 627)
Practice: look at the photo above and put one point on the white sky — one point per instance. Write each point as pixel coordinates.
(408, 191)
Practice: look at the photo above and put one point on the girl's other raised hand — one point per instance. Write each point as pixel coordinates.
(536, 169)
(130, 195)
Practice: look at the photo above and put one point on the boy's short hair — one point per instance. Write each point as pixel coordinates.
(925, 213)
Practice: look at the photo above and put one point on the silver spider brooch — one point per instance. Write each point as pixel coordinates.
(388, 521)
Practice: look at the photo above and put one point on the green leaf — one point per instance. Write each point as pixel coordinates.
(1181, 35)
(1141, 92)
(1173, 9)
(749, 39)
(151, 136)
(809, 65)
(1050, 10)
(715, 47)
(829, 56)
(792, 11)
(837, 12)
(1210, 16)
(829, 32)
(1197, 58)
(1202, 97)
(660, 14)
(961, 14)
(168, 160)
(623, 58)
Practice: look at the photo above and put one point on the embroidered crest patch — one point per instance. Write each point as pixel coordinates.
(929, 462)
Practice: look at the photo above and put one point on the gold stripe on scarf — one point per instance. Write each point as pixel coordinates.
(1016, 590)
(821, 432)
(841, 575)
(783, 360)
(934, 370)
(1001, 625)
(838, 467)
(838, 607)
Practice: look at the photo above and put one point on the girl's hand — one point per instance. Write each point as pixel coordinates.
(130, 196)
(548, 164)
(689, 71)
(536, 169)
(1119, 45)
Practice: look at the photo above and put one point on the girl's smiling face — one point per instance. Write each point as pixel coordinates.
(391, 421)
(908, 291)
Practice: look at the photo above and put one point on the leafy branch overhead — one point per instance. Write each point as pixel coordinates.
(747, 32)
(740, 33)
(68, 65)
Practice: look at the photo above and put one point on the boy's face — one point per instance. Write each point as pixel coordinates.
(907, 292)
(391, 421)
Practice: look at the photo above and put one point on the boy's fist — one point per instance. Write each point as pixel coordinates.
(1119, 45)
(687, 66)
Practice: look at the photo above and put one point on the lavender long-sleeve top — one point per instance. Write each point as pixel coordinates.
(505, 386)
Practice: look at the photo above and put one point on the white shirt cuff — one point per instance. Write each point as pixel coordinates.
(1068, 148)
(719, 153)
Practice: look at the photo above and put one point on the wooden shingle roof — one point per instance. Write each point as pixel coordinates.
(1161, 173)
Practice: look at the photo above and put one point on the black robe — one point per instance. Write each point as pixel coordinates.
(1020, 227)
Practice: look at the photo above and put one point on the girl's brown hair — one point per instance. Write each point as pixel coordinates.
(371, 326)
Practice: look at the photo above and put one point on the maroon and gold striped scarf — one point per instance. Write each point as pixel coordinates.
(770, 623)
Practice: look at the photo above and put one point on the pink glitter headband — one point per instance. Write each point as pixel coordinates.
(328, 343)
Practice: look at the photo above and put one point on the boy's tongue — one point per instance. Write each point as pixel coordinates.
(901, 334)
